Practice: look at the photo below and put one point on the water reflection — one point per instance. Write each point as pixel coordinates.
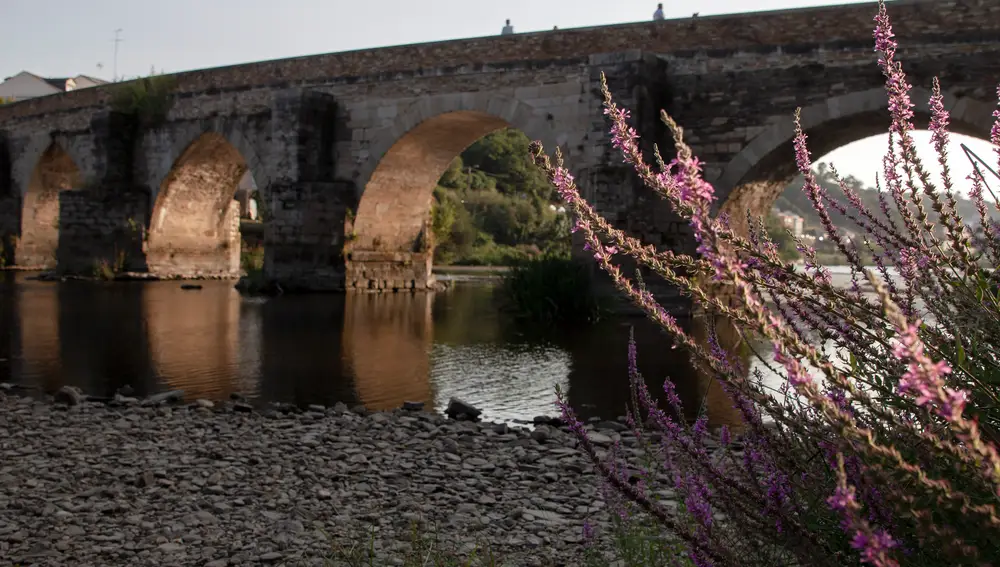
(323, 349)
(387, 342)
(194, 338)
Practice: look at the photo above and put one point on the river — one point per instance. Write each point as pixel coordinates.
(375, 350)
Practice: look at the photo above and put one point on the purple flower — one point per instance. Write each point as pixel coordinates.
(874, 547)
(995, 131)
(924, 379)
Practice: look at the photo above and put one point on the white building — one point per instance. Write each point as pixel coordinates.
(792, 221)
(25, 85)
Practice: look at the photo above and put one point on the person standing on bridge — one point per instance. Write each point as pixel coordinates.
(507, 29)
(658, 14)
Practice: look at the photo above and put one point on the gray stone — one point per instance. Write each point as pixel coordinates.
(541, 433)
(69, 395)
(458, 408)
(173, 396)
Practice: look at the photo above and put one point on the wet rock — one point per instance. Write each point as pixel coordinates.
(69, 395)
(120, 400)
(190, 286)
(413, 406)
(171, 397)
(541, 433)
(202, 403)
(242, 407)
(457, 408)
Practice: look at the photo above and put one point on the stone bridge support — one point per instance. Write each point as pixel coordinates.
(101, 228)
(305, 236)
(65, 198)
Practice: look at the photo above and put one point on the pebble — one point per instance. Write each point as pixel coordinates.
(150, 484)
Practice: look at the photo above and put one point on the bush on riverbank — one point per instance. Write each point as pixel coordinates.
(551, 290)
(881, 451)
(251, 258)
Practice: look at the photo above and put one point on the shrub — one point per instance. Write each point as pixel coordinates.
(146, 98)
(8, 248)
(251, 258)
(551, 290)
(878, 451)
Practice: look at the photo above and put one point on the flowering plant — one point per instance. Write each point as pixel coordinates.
(879, 450)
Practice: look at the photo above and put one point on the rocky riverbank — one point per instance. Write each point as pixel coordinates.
(167, 483)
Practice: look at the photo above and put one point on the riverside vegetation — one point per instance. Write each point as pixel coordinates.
(881, 451)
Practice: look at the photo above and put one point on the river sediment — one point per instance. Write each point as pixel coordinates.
(205, 484)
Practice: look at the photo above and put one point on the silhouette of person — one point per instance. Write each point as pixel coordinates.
(658, 14)
(507, 29)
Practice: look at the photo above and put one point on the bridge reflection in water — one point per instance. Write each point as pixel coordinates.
(377, 350)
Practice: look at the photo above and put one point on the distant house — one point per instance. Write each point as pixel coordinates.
(26, 85)
(244, 194)
(792, 221)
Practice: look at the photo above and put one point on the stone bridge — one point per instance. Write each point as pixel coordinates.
(347, 147)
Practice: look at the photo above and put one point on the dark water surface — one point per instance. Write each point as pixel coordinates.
(377, 350)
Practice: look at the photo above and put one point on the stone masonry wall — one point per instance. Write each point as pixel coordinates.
(730, 104)
(304, 237)
(10, 225)
(98, 230)
(233, 237)
(835, 26)
(314, 129)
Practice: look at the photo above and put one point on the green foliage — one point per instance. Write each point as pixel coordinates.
(781, 238)
(425, 550)
(551, 290)
(8, 246)
(492, 206)
(504, 156)
(251, 258)
(147, 98)
(103, 270)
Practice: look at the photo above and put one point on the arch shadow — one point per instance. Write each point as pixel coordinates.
(756, 176)
(194, 223)
(389, 241)
(54, 172)
(10, 207)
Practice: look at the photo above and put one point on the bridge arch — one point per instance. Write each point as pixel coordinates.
(765, 166)
(194, 224)
(389, 245)
(234, 136)
(54, 171)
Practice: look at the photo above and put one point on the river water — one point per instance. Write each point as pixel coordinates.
(376, 350)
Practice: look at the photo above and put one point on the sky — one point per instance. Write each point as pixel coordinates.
(59, 38)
